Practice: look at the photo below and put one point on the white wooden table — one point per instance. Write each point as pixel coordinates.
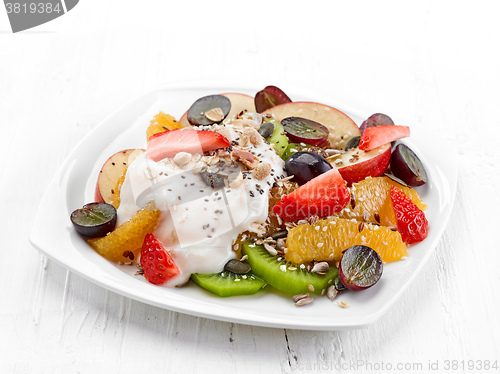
(435, 63)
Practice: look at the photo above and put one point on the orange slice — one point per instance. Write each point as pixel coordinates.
(127, 237)
(115, 198)
(162, 122)
(325, 240)
(372, 198)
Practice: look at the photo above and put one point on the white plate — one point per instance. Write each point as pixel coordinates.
(73, 186)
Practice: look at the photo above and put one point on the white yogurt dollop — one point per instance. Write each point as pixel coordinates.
(198, 223)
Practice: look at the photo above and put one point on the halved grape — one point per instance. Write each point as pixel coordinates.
(377, 119)
(305, 166)
(303, 130)
(94, 220)
(360, 267)
(269, 97)
(406, 165)
(197, 113)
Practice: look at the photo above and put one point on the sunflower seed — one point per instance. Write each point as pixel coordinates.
(300, 296)
(270, 249)
(304, 301)
(331, 152)
(280, 244)
(320, 267)
(332, 292)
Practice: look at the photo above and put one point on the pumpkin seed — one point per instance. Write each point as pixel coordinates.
(237, 267)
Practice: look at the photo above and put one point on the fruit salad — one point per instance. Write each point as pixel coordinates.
(243, 193)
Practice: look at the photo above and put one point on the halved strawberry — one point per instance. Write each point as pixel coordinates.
(374, 137)
(321, 196)
(156, 262)
(411, 221)
(169, 143)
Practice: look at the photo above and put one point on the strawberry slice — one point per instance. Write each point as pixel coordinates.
(167, 144)
(411, 221)
(156, 262)
(376, 136)
(321, 196)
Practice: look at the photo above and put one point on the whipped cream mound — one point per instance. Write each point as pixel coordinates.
(206, 201)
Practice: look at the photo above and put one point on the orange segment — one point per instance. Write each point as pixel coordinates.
(326, 240)
(127, 237)
(372, 195)
(115, 198)
(162, 122)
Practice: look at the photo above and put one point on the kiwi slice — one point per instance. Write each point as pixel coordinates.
(285, 275)
(226, 283)
(278, 138)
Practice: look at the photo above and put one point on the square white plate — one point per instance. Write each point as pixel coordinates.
(74, 184)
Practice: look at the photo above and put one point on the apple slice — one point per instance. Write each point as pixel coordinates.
(355, 165)
(239, 102)
(341, 127)
(111, 172)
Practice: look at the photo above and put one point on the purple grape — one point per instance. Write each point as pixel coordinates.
(269, 97)
(377, 119)
(94, 220)
(360, 267)
(406, 165)
(303, 130)
(196, 113)
(305, 166)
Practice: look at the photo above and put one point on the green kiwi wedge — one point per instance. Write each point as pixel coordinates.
(226, 283)
(278, 138)
(287, 276)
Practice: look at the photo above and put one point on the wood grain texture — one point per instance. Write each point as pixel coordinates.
(432, 64)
